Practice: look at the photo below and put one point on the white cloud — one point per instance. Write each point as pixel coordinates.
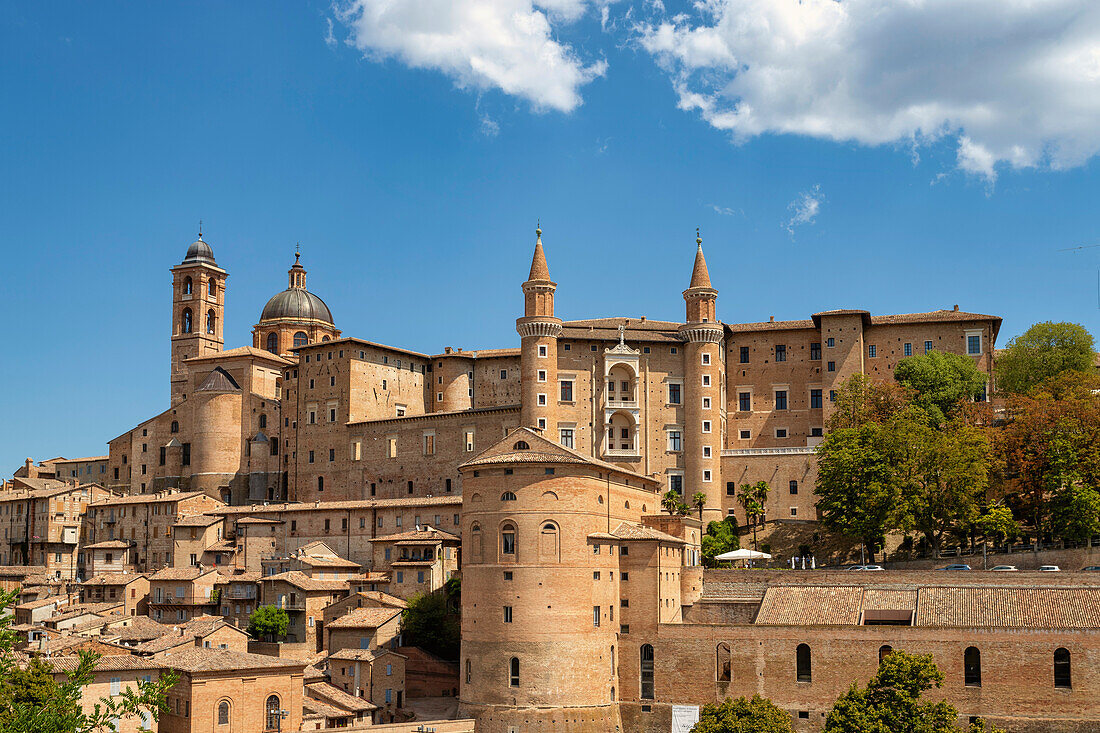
(1012, 82)
(330, 37)
(805, 208)
(489, 127)
(726, 210)
(507, 45)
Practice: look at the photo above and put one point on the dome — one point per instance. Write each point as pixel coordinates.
(199, 251)
(296, 303)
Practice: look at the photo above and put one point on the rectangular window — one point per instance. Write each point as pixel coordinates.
(832, 395)
(566, 391)
(872, 351)
(706, 403)
(744, 401)
(311, 456)
(469, 440)
(831, 366)
(503, 373)
(542, 375)
(674, 394)
(706, 380)
(676, 483)
(744, 354)
(830, 342)
(706, 358)
(745, 434)
(815, 398)
(392, 447)
(816, 432)
(706, 476)
(566, 437)
(331, 455)
(794, 511)
(116, 685)
(974, 344)
(674, 440)
(908, 349)
(429, 444)
(781, 432)
(542, 350)
(706, 451)
(596, 616)
(815, 351)
(793, 487)
(927, 346)
(781, 399)
(731, 488)
(541, 399)
(706, 426)
(780, 352)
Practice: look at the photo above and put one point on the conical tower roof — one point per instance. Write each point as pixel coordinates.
(539, 269)
(700, 277)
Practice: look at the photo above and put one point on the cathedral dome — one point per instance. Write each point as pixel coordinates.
(298, 304)
(199, 251)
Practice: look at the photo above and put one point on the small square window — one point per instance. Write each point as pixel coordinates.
(745, 434)
(593, 347)
(781, 432)
(794, 511)
(830, 342)
(831, 366)
(706, 358)
(542, 350)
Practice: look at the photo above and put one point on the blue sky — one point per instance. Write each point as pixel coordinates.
(411, 150)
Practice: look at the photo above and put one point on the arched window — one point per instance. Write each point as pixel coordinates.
(186, 324)
(211, 320)
(223, 712)
(513, 672)
(263, 421)
(722, 669)
(1062, 673)
(884, 651)
(188, 285)
(507, 496)
(802, 662)
(972, 667)
(175, 427)
(646, 671)
(521, 445)
(300, 339)
(212, 287)
(273, 342)
(324, 338)
(475, 549)
(508, 540)
(548, 543)
(273, 717)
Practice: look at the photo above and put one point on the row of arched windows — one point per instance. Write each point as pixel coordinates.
(972, 665)
(187, 321)
(189, 287)
(549, 542)
(272, 713)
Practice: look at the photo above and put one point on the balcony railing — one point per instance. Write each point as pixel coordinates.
(630, 404)
(623, 453)
(796, 451)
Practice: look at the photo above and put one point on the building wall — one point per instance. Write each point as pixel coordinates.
(200, 695)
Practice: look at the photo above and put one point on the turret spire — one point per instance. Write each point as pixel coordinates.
(539, 269)
(700, 277)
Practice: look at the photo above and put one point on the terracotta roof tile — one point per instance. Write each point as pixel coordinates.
(626, 531)
(301, 580)
(335, 696)
(200, 659)
(364, 618)
(810, 606)
(1040, 608)
(149, 499)
(427, 534)
(330, 505)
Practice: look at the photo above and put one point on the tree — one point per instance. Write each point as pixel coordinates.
(673, 504)
(720, 537)
(743, 715)
(997, 524)
(940, 381)
(699, 501)
(1075, 513)
(754, 499)
(268, 623)
(942, 474)
(1041, 352)
(856, 487)
(430, 623)
(861, 400)
(892, 701)
(33, 701)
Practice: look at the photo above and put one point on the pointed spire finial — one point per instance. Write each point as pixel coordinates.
(538, 229)
(200, 229)
(700, 277)
(698, 239)
(539, 270)
(297, 251)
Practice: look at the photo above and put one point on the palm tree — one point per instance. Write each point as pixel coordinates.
(753, 498)
(671, 502)
(699, 500)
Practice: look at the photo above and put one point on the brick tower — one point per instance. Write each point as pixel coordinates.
(539, 331)
(703, 424)
(198, 307)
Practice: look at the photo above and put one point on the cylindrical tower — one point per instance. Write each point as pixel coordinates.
(216, 443)
(452, 385)
(539, 331)
(702, 388)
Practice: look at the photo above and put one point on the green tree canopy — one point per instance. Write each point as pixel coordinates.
(1041, 352)
(857, 492)
(431, 624)
(743, 715)
(891, 702)
(861, 400)
(268, 623)
(941, 381)
(998, 523)
(1075, 513)
(720, 537)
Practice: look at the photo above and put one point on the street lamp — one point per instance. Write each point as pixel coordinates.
(280, 715)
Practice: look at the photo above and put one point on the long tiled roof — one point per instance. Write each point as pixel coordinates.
(427, 534)
(147, 498)
(364, 618)
(301, 580)
(811, 606)
(114, 579)
(197, 520)
(185, 634)
(107, 663)
(335, 696)
(188, 573)
(626, 531)
(201, 659)
(405, 419)
(363, 655)
(634, 329)
(109, 545)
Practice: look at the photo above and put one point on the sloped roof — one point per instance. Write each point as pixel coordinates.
(332, 695)
(540, 451)
(427, 534)
(364, 618)
(109, 545)
(107, 663)
(197, 520)
(300, 580)
(446, 500)
(149, 498)
(810, 605)
(201, 626)
(1040, 608)
(626, 531)
(539, 269)
(188, 573)
(142, 628)
(634, 329)
(239, 352)
(201, 659)
(219, 380)
(700, 277)
(114, 579)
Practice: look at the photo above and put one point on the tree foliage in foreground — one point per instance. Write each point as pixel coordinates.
(941, 382)
(268, 623)
(720, 537)
(33, 701)
(743, 715)
(431, 624)
(1043, 351)
(891, 701)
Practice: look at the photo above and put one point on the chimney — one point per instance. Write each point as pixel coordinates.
(446, 349)
(771, 319)
(956, 307)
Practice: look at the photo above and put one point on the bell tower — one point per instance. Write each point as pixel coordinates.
(198, 307)
(539, 331)
(703, 424)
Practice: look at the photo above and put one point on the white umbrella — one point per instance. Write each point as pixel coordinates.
(743, 555)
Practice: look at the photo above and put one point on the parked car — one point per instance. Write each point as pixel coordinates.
(956, 566)
(1005, 569)
(1091, 569)
(856, 567)
(1049, 569)
(873, 567)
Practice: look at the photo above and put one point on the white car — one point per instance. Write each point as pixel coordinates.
(1004, 569)
(1049, 569)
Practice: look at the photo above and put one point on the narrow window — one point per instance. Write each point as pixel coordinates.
(883, 652)
(908, 349)
(744, 354)
(802, 660)
(722, 662)
(974, 344)
(781, 399)
(815, 352)
(273, 342)
(1062, 673)
(513, 673)
(794, 487)
(872, 351)
(223, 713)
(744, 401)
(646, 671)
(274, 713)
(815, 399)
(674, 394)
(187, 324)
(211, 321)
(508, 540)
(972, 667)
(188, 286)
(780, 352)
